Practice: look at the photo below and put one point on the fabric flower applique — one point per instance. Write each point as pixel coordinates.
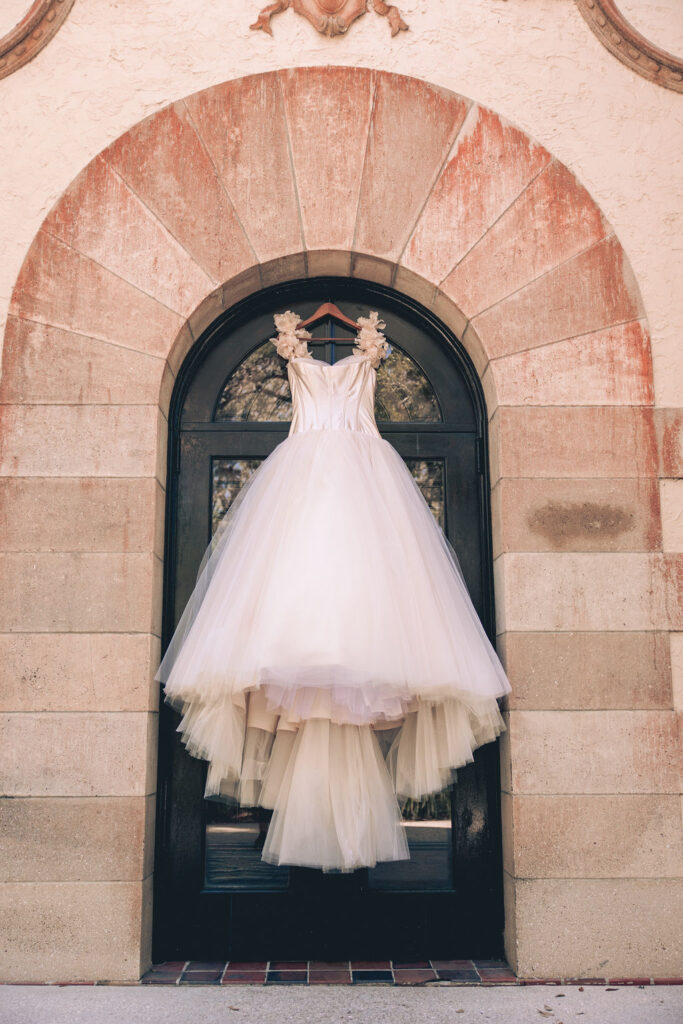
(291, 339)
(371, 342)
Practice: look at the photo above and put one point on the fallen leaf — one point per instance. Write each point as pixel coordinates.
(560, 995)
(611, 990)
(580, 988)
(544, 1014)
(546, 1007)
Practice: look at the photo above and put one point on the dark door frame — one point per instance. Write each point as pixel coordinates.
(188, 922)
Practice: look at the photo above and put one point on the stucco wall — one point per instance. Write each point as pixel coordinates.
(534, 61)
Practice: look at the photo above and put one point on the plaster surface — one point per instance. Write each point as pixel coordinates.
(112, 64)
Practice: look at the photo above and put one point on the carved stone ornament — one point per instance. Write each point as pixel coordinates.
(632, 49)
(332, 17)
(32, 33)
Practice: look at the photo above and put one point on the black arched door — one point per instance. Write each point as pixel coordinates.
(214, 897)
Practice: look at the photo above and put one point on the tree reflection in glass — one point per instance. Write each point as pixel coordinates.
(258, 391)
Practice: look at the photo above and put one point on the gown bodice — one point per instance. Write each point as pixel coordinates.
(333, 396)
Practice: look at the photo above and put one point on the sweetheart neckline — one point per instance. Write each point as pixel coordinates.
(329, 366)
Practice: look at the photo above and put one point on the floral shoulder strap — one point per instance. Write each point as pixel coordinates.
(291, 340)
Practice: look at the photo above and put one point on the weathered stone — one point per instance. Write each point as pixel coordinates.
(557, 219)
(671, 494)
(594, 290)
(165, 163)
(78, 440)
(204, 315)
(257, 174)
(100, 217)
(595, 671)
(596, 591)
(74, 591)
(676, 648)
(78, 754)
(328, 262)
(284, 268)
(390, 203)
(609, 367)
(326, 108)
(575, 515)
(614, 836)
(490, 164)
(595, 752)
(78, 672)
(59, 286)
(81, 514)
(115, 839)
(669, 431)
(598, 928)
(41, 363)
(72, 931)
(608, 442)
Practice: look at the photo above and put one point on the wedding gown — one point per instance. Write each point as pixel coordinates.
(330, 658)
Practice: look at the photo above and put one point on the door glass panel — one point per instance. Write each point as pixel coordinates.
(427, 822)
(429, 477)
(234, 834)
(228, 477)
(257, 390)
(404, 395)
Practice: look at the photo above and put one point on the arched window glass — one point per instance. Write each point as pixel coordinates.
(258, 390)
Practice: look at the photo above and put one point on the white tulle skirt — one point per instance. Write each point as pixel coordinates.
(329, 607)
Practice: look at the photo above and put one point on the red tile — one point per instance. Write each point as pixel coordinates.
(165, 163)
(102, 218)
(243, 126)
(585, 981)
(247, 965)
(490, 165)
(459, 974)
(667, 981)
(413, 126)
(205, 965)
(328, 114)
(169, 965)
(540, 981)
(415, 977)
(551, 221)
(496, 977)
(453, 965)
(411, 965)
(288, 965)
(325, 965)
(58, 286)
(370, 965)
(608, 367)
(329, 978)
(628, 981)
(244, 978)
(594, 290)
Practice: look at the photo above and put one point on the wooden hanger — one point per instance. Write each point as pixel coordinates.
(328, 309)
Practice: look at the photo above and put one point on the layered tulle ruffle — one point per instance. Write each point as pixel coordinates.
(330, 606)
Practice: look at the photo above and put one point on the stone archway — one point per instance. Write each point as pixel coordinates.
(207, 201)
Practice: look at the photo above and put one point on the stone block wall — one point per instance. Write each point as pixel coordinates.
(192, 209)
